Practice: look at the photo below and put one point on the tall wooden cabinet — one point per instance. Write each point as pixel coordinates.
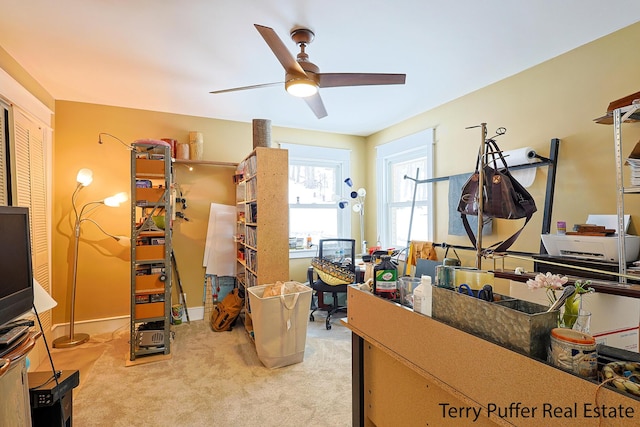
(262, 221)
(151, 248)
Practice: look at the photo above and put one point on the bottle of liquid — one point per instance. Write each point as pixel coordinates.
(309, 241)
(385, 278)
(422, 296)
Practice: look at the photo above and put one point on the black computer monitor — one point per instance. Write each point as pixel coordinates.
(16, 272)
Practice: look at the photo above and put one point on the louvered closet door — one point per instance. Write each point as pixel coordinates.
(31, 191)
(4, 112)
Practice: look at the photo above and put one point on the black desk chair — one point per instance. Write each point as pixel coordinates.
(335, 268)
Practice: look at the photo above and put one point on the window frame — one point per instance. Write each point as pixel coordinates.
(398, 151)
(339, 158)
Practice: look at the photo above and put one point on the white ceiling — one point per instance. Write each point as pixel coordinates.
(167, 55)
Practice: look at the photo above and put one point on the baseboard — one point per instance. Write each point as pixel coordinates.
(112, 324)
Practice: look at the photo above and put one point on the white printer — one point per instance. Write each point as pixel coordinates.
(603, 248)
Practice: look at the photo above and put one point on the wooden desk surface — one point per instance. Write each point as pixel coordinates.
(465, 373)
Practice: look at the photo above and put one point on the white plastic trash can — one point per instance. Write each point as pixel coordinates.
(280, 324)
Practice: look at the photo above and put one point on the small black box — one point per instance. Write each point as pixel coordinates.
(51, 402)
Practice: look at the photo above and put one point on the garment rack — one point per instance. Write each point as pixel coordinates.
(551, 162)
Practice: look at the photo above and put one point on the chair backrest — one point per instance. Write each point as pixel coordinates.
(340, 251)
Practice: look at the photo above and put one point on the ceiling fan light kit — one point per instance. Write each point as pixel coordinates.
(303, 78)
(301, 87)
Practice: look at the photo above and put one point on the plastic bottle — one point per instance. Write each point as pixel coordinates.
(562, 227)
(422, 296)
(385, 278)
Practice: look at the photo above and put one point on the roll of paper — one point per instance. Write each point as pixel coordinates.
(522, 156)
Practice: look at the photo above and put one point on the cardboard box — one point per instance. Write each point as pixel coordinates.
(607, 119)
(614, 318)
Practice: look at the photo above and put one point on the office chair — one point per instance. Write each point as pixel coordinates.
(335, 268)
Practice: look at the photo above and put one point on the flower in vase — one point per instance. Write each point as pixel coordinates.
(554, 282)
(573, 304)
(549, 282)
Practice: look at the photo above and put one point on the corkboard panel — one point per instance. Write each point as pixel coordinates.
(474, 371)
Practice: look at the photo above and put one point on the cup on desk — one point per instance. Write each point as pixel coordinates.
(445, 276)
(406, 285)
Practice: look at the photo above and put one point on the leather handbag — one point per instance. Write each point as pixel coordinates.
(503, 196)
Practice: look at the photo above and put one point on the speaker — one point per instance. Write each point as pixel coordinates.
(51, 401)
(56, 415)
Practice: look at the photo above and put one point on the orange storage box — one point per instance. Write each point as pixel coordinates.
(149, 282)
(150, 168)
(149, 252)
(153, 309)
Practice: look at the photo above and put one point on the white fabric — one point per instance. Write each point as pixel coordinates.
(219, 252)
(280, 324)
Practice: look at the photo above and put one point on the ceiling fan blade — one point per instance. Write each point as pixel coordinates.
(317, 106)
(359, 79)
(247, 87)
(280, 50)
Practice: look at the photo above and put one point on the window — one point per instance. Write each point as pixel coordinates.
(395, 160)
(316, 176)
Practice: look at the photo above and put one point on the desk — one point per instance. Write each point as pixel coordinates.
(409, 369)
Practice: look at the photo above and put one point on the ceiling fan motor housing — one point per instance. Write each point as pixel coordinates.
(302, 35)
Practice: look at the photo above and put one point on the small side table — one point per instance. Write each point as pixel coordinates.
(51, 402)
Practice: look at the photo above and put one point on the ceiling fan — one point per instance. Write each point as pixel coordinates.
(303, 78)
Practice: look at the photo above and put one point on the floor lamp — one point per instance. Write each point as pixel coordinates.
(358, 207)
(84, 178)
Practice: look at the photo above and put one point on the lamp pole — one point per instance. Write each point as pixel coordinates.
(84, 178)
(73, 339)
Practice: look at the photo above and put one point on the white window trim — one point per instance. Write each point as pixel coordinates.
(340, 156)
(394, 149)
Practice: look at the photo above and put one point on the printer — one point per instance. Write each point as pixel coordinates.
(602, 248)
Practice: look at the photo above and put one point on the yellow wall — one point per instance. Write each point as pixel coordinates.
(103, 268)
(556, 99)
(8, 64)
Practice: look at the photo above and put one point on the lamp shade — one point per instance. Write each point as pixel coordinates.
(343, 204)
(84, 177)
(116, 200)
(41, 298)
(348, 182)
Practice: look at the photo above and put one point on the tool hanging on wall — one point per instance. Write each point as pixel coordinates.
(216, 290)
(182, 294)
(179, 202)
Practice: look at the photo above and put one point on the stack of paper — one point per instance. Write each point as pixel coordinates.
(634, 164)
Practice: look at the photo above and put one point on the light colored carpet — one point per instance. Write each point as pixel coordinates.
(215, 379)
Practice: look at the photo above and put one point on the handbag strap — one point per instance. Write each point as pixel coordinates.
(496, 154)
(499, 246)
(446, 252)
